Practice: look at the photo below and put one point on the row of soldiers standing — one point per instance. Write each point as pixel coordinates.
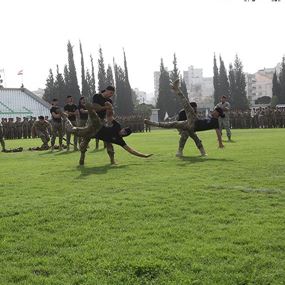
(17, 129)
(257, 118)
(23, 128)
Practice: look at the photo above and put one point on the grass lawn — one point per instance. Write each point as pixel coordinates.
(162, 220)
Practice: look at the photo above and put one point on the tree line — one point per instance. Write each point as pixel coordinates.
(167, 103)
(60, 85)
(232, 85)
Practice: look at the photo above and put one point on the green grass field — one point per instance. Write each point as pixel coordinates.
(162, 220)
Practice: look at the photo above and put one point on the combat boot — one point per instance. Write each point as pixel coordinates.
(179, 153)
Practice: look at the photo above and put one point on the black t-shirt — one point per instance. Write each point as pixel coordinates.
(83, 116)
(100, 100)
(71, 108)
(206, 124)
(182, 115)
(111, 134)
(55, 110)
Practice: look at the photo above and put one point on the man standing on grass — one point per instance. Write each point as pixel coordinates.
(72, 112)
(192, 123)
(2, 138)
(224, 123)
(56, 123)
(111, 132)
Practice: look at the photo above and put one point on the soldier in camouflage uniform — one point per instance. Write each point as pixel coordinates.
(18, 127)
(25, 126)
(224, 122)
(282, 118)
(11, 126)
(56, 122)
(31, 122)
(4, 127)
(2, 142)
(185, 134)
(42, 128)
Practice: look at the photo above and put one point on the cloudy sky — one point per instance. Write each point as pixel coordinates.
(34, 35)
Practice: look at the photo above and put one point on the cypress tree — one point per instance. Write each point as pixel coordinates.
(241, 101)
(281, 99)
(92, 82)
(67, 84)
(110, 78)
(224, 88)
(49, 90)
(275, 90)
(164, 93)
(123, 100)
(84, 85)
(129, 93)
(59, 88)
(216, 82)
(173, 76)
(89, 93)
(120, 92)
(232, 85)
(73, 82)
(101, 72)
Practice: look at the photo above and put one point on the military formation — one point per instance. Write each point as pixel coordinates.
(17, 129)
(135, 122)
(265, 117)
(22, 128)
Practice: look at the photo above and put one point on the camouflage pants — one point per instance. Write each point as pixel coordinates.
(68, 136)
(224, 123)
(57, 130)
(44, 136)
(184, 135)
(25, 131)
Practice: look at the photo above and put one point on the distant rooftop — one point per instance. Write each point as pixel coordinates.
(20, 102)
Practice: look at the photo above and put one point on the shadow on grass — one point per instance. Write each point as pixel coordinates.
(85, 171)
(232, 141)
(195, 159)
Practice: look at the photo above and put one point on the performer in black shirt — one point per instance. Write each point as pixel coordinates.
(192, 123)
(71, 110)
(99, 101)
(113, 133)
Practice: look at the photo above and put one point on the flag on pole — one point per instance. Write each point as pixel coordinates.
(20, 72)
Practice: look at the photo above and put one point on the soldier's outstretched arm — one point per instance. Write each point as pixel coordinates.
(136, 153)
